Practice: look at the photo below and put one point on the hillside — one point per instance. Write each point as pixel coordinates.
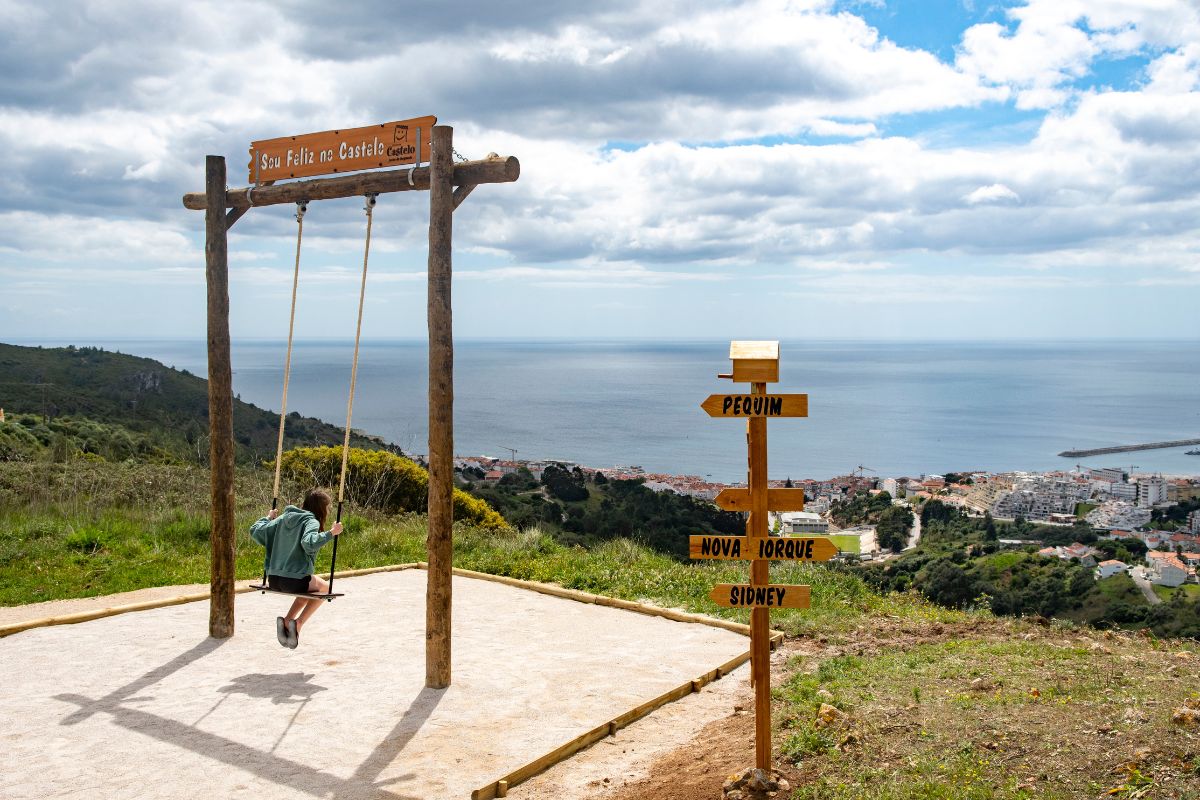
(932, 703)
(64, 401)
(961, 563)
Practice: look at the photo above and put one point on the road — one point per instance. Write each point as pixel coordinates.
(914, 535)
(1138, 574)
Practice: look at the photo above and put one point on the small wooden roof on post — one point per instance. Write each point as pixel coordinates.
(753, 362)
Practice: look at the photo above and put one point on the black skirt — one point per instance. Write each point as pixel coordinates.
(290, 585)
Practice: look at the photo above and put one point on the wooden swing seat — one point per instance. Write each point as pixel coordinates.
(258, 587)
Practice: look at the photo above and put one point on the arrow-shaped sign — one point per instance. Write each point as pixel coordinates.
(777, 499)
(777, 548)
(732, 595)
(756, 405)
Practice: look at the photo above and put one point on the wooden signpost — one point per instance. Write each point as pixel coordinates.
(756, 405)
(741, 548)
(757, 363)
(777, 499)
(732, 595)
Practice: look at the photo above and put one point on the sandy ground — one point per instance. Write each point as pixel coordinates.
(607, 768)
(144, 705)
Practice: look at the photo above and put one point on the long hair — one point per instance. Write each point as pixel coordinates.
(318, 502)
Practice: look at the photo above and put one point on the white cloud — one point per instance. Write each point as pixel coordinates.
(1055, 42)
(93, 242)
(992, 193)
(617, 110)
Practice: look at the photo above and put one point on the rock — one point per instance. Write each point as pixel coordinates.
(1186, 717)
(1192, 703)
(828, 715)
(1184, 655)
(824, 694)
(982, 685)
(760, 781)
(754, 784)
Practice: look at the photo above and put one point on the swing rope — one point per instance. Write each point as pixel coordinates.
(369, 208)
(301, 207)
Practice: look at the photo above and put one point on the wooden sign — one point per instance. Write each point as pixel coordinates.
(777, 548)
(389, 144)
(777, 499)
(756, 405)
(732, 595)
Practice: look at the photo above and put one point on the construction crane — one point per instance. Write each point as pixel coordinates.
(859, 470)
(512, 450)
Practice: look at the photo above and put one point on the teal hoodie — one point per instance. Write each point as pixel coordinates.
(292, 540)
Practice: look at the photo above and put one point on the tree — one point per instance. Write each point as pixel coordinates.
(893, 527)
(564, 485)
(989, 527)
(946, 584)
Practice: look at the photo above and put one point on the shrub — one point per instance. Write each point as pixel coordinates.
(377, 479)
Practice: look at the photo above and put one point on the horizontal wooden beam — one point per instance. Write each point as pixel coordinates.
(501, 169)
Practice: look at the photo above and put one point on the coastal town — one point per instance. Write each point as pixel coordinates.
(1114, 502)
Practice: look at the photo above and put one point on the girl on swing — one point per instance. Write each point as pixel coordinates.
(292, 540)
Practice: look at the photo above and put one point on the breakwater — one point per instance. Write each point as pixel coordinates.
(1128, 448)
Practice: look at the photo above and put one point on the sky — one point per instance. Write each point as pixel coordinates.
(758, 169)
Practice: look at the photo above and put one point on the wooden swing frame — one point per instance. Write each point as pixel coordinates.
(448, 184)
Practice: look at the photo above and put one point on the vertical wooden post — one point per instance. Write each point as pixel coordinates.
(760, 617)
(220, 402)
(440, 544)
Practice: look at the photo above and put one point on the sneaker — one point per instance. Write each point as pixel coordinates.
(293, 634)
(281, 631)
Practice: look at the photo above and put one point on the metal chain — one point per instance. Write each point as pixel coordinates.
(457, 154)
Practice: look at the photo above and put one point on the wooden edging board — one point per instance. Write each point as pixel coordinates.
(112, 611)
(500, 786)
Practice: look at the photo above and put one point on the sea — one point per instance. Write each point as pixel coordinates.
(881, 408)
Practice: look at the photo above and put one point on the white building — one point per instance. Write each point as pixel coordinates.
(1107, 474)
(1106, 569)
(1151, 490)
(1038, 497)
(1115, 490)
(1166, 569)
(818, 505)
(1119, 515)
(794, 522)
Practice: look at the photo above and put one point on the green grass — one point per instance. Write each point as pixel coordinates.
(952, 776)
(995, 717)
(1190, 590)
(87, 530)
